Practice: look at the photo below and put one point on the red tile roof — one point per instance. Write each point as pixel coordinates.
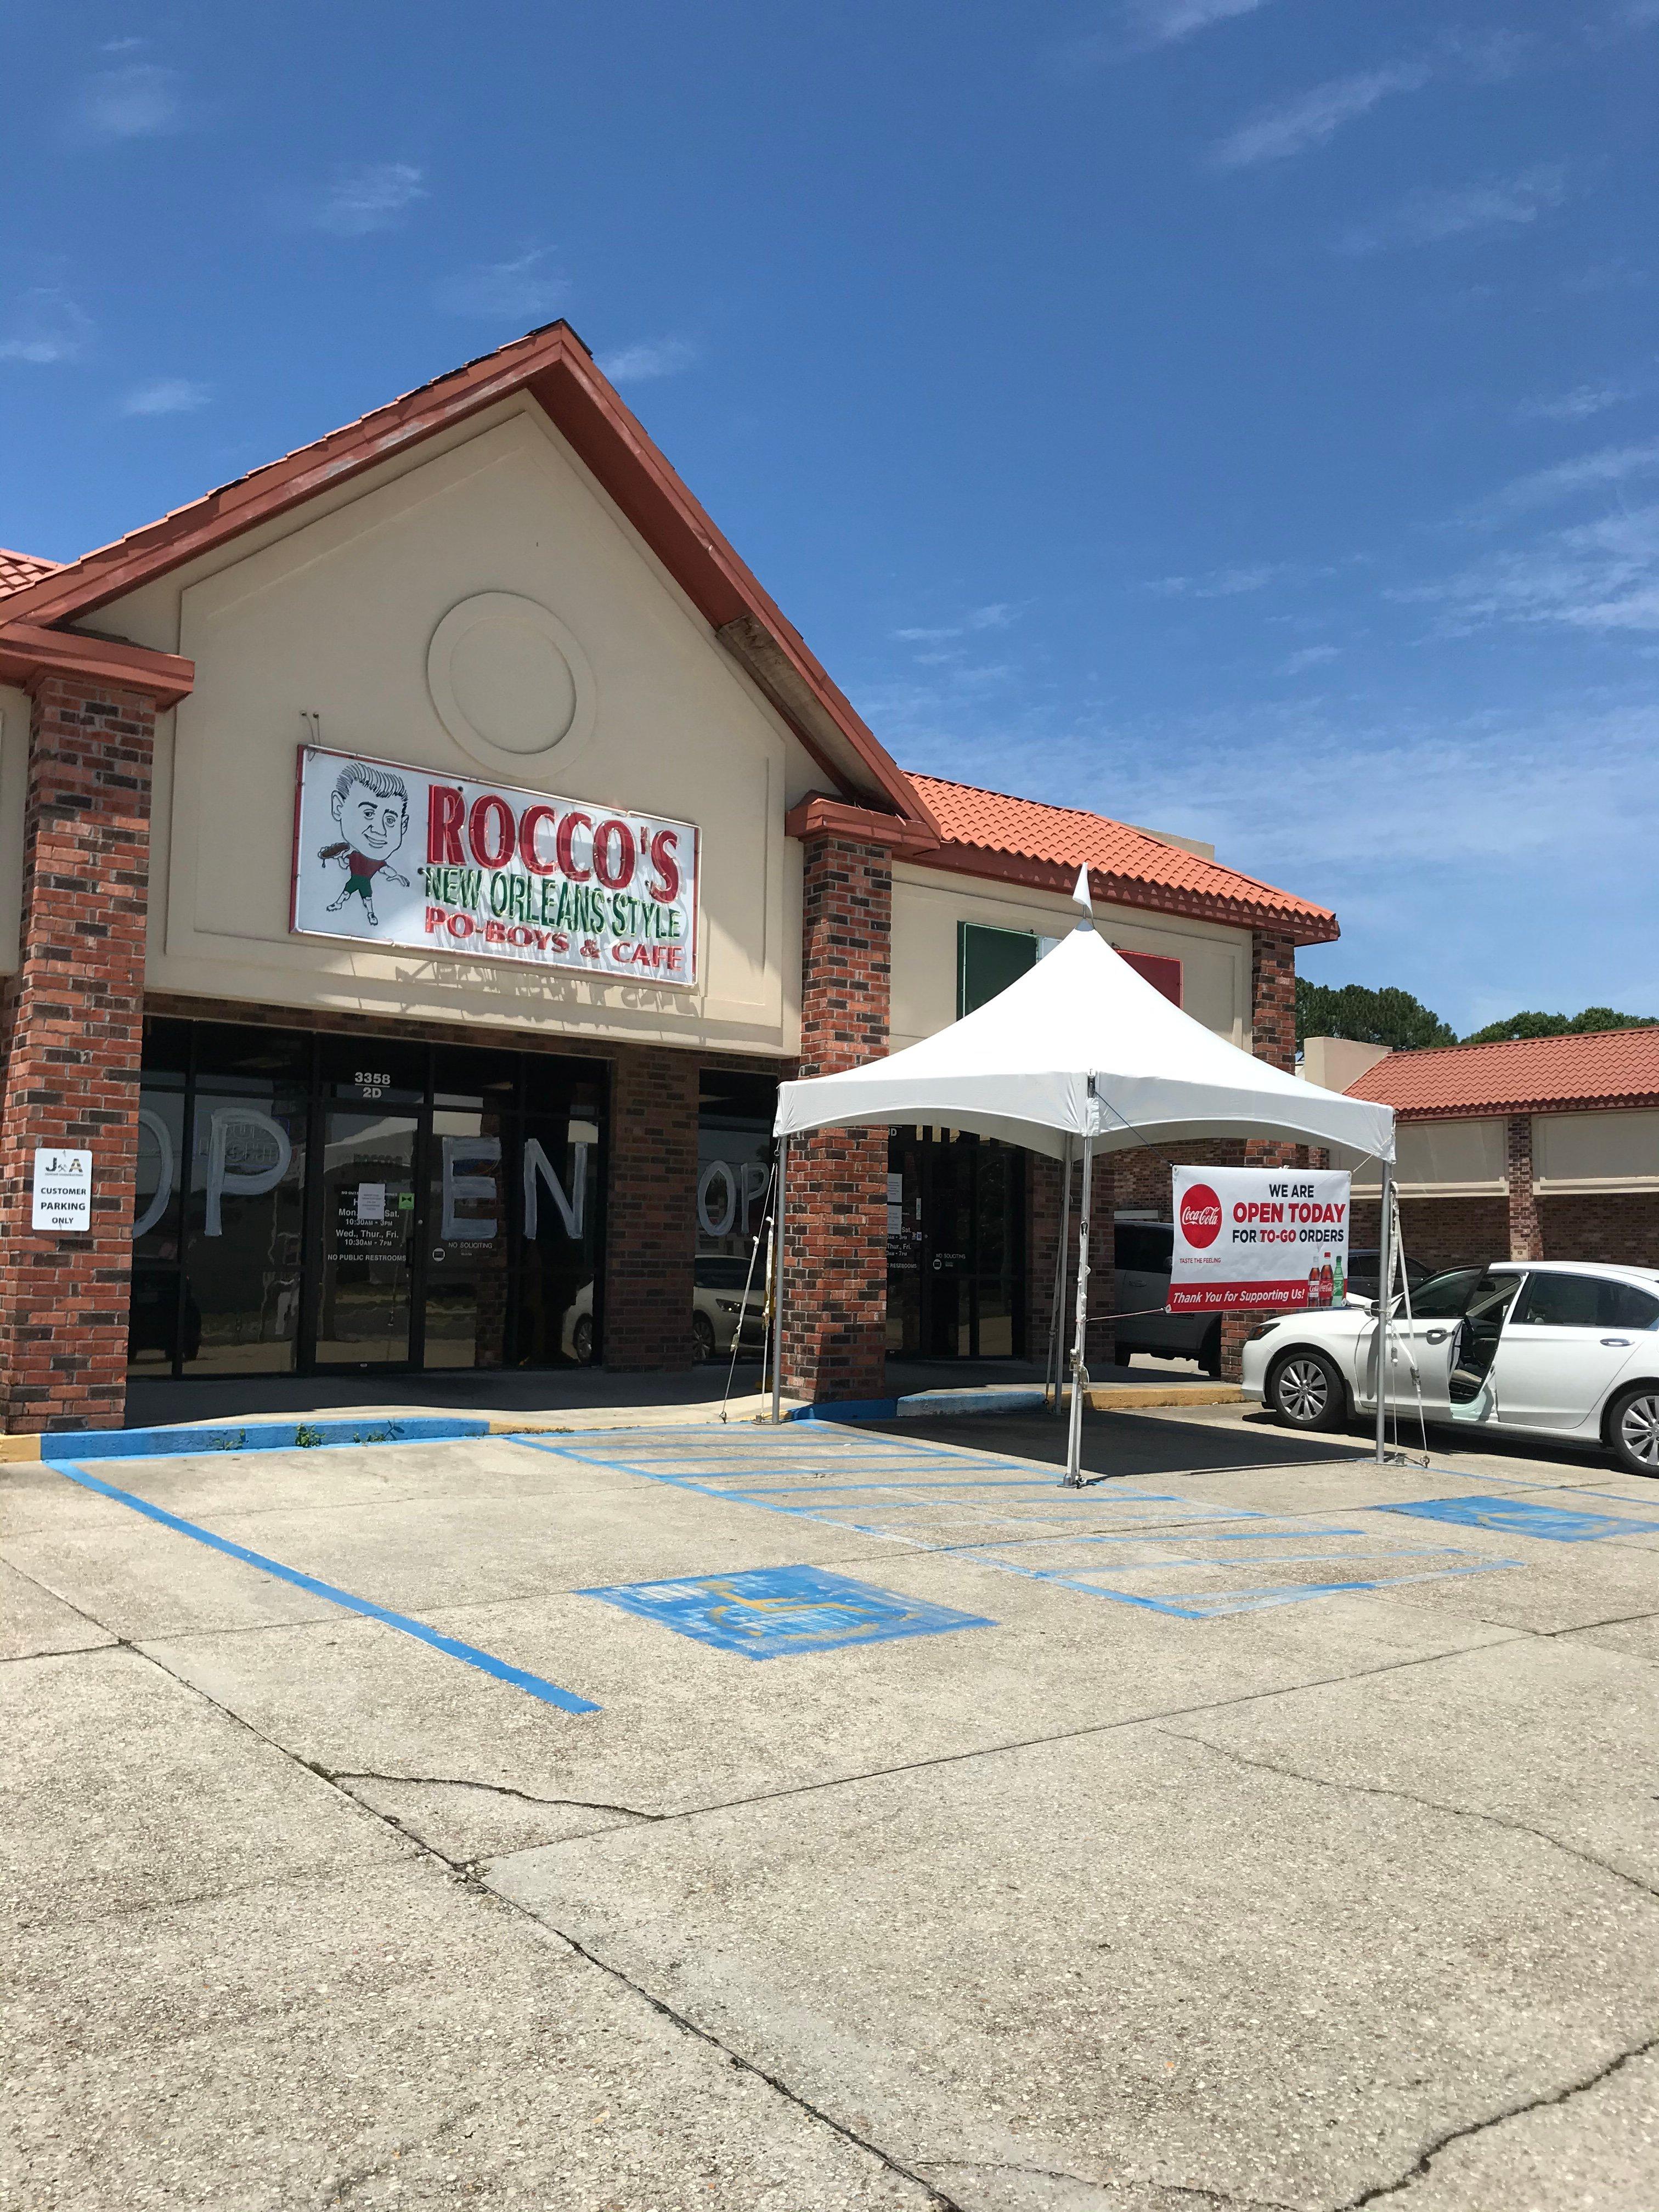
(1022, 841)
(17, 569)
(1610, 1068)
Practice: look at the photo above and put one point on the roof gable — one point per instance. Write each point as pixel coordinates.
(556, 369)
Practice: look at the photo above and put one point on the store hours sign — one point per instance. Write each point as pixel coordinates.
(393, 855)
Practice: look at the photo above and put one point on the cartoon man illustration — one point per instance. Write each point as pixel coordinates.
(371, 806)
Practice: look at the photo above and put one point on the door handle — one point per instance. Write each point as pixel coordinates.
(1437, 1336)
(1616, 1343)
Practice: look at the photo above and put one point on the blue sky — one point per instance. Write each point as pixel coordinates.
(1237, 416)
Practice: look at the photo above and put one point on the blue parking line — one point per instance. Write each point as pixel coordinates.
(486, 1662)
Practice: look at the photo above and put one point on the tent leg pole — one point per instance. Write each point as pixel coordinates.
(1054, 1374)
(1079, 1372)
(1384, 1284)
(777, 1286)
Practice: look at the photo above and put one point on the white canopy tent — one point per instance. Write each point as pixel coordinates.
(1080, 1055)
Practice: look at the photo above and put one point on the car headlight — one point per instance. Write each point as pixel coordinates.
(729, 1305)
(1262, 1329)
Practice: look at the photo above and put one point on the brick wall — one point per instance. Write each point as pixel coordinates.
(1441, 1232)
(1621, 1227)
(835, 1275)
(1044, 1190)
(73, 1026)
(1526, 1239)
(651, 1209)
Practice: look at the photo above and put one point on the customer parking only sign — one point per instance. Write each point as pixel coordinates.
(395, 855)
(1259, 1237)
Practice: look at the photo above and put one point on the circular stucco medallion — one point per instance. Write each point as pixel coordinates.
(508, 679)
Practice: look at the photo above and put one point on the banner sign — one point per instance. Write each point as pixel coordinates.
(1259, 1237)
(393, 856)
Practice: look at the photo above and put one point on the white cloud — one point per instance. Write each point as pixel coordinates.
(523, 290)
(46, 327)
(1162, 22)
(1429, 217)
(1578, 404)
(1601, 577)
(1609, 466)
(998, 615)
(373, 196)
(139, 101)
(1218, 583)
(1310, 656)
(1314, 117)
(649, 359)
(166, 395)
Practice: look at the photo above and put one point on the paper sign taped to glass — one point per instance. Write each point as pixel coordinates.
(1266, 1237)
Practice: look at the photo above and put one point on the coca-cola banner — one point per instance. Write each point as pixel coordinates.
(387, 854)
(1259, 1237)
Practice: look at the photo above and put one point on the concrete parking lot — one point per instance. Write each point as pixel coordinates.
(660, 1818)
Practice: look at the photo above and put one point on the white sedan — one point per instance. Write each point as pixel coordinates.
(1549, 1348)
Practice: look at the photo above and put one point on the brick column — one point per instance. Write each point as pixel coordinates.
(1526, 1235)
(1046, 1188)
(834, 1272)
(74, 1023)
(651, 1210)
(1272, 1038)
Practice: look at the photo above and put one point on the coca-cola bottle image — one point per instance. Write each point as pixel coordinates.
(1340, 1283)
(1313, 1286)
(1325, 1282)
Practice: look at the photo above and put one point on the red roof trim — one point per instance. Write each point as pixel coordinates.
(554, 366)
(819, 815)
(1600, 1070)
(993, 833)
(27, 653)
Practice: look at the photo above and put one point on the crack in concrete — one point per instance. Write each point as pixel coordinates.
(465, 1872)
(342, 1775)
(1086, 2181)
(1411, 1797)
(1539, 2103)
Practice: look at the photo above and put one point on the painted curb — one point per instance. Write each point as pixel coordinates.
(253, 1436)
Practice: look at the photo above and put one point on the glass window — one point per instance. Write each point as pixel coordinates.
(1144, 1246)
(988, 961)
(243, 1222)
(555, 1193)
(1444, 1297)
(372, 1070)
(1563, 1302)
(467, 1234)
(1628, 1307)
(157, 1319)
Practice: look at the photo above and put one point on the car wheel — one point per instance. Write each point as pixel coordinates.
(703, 1338)
(1209, 1354)
(1306, 1391)
(1633, 1429)
(582, 1339)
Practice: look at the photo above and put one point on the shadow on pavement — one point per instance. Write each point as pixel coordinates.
(1123, 1443)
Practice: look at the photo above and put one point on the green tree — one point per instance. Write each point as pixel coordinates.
(1349, 1010)
(1593, 1018)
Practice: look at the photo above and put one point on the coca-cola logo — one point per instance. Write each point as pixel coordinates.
(1200, 1216)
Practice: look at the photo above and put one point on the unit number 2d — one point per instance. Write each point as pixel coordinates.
(373, 1084)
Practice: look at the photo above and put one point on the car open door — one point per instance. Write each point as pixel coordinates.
(1442, 1358)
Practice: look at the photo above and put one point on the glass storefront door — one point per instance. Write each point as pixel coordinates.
(367, 1293)
(955, 1247)
(314, 1203)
